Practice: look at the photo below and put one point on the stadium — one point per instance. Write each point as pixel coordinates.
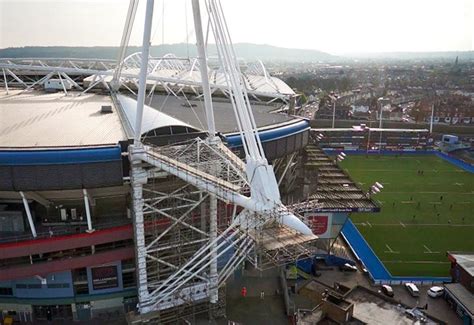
(92, 226)
(127, 191)
(66, 194)
(68, 240)
(424, 202)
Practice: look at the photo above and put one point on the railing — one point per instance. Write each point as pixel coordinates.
(65, 230)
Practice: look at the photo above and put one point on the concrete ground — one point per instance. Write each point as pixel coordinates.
(253, 310)
(437, 307)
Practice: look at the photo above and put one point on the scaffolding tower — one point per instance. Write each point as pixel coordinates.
(189, 237)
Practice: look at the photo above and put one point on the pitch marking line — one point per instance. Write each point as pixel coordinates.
(390, 250)
(415, 262)
(408, 202)
(429, 251)
(459, 184)
(415, 224)
(369, 224)
(419, 162)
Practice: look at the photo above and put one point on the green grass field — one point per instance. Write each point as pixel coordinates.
(422, 216)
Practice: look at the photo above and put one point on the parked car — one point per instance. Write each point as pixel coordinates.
(435, 292)
(348, 267)
(364, 269)
(387, 290)
(412, 289)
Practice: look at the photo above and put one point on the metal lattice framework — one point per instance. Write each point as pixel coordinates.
(169, 73)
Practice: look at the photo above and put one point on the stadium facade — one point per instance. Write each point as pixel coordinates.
(66, 226)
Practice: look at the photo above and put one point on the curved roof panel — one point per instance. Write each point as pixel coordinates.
(152, 118)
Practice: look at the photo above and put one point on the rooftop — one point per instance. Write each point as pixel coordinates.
(187, 76)
(39, 119)
(461, 294)
(224, 116)
(465, 260)
(372, 309)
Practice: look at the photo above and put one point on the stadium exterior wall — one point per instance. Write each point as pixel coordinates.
(278, 141)
(36, 170)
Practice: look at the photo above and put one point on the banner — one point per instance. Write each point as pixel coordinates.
(104, 277)
(320, 224)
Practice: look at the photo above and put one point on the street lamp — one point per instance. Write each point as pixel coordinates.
(380, 101)
(340, 157)
(334, 99)
(376, 188)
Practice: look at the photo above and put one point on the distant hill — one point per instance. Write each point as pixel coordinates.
(246, 51)
(442, 55)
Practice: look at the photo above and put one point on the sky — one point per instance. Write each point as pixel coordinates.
(333, 26)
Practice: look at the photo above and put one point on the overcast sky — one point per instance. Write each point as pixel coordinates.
(334, 26)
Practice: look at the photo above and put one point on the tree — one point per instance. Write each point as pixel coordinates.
(303, 99)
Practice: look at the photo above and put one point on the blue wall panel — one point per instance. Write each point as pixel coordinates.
(54, 157)
(234, 140)
(58, 285)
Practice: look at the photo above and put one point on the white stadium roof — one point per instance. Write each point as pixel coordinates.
(39, 119)
(185, 75)
(152, 118)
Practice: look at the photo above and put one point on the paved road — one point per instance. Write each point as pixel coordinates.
(438, 307)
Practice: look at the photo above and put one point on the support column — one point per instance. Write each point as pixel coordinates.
(88, 211)
(138, 179)
(5, 81)
(206, 89)
(143, 69)
(214, 279)
(28, 214)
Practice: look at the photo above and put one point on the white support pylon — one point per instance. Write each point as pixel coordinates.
(206, 89)
(143, 70)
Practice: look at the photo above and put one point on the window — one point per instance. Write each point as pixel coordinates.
(128, 279)
(6, 292)
(34, 286)
(58, 285)
(28, 286)
(81, 289)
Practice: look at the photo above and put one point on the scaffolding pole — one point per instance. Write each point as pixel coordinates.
(213, 276)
